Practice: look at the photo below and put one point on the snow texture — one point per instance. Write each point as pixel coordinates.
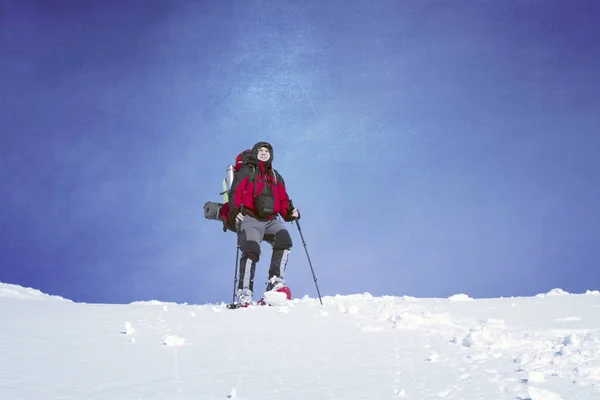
(14, 291)
(275, 298)
(545, 347)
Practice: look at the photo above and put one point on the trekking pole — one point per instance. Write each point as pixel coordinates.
(237, 257)
(309, 263)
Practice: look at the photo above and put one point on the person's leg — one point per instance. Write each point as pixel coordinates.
(282, 244)
(250, 236)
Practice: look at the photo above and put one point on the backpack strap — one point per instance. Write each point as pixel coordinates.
(253, 179)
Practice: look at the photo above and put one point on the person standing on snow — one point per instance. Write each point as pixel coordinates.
(257, 195)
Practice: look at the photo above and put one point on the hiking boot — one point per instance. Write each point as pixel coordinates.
(275, 283)
(277, 292)
(244, 297)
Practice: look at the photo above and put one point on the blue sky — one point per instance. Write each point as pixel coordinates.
(432, 147)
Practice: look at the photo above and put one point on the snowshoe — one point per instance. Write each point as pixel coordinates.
(276, 297)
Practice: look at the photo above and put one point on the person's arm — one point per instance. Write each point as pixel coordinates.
(286, 207)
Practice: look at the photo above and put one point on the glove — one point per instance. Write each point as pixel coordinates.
(290, 216)
(229, 225)
(233, 212)
(235, 217)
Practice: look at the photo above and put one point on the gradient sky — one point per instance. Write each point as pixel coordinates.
(433, 147)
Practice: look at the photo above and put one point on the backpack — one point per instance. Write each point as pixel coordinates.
(220, 211)
(230, 171)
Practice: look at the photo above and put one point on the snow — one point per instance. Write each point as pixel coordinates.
(545, 347)
(173, 340)
(15, 291)
(554, 292)
(275, 298)
(459, 297)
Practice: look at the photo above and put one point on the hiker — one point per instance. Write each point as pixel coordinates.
(257, 195)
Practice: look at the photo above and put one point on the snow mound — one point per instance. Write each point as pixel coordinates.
(154, 303)
(554, 292)
(8, 290)
(542, 394)
(460, 297)
(488, 336)
(275, 298)
(129, 329)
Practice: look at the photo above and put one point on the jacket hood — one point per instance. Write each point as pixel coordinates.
(255, 152)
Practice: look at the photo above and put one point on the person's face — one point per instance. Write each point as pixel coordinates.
(263, 154)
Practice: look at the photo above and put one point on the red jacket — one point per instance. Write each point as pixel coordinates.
(243, 190)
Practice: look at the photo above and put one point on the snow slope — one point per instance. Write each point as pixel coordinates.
(354, 347)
